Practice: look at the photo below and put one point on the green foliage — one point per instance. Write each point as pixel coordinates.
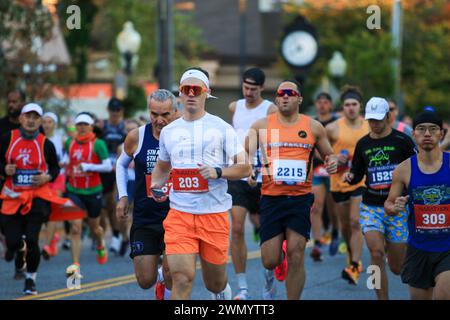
(425, 53)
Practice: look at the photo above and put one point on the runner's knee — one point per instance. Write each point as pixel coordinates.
(377, 254)
(146, 280)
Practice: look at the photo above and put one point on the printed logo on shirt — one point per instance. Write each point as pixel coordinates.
(302, 134)
(24, 155)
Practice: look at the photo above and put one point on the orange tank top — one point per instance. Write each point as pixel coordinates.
(287, 153)
(346, 143)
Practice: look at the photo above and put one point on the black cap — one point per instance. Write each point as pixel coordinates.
(324, 95)
(427, 117)
(115, 104)
(254, 76)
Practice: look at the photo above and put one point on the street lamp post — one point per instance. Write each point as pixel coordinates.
(337, 67)
(128, 42)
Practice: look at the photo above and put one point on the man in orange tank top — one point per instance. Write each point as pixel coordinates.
(287, 140)
(343, 134)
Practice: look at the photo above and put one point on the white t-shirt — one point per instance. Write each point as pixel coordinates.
(208, 140)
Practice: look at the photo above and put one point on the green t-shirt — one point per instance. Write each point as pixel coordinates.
(101, 151)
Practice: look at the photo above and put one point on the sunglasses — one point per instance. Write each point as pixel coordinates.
(194, 90)
(289, 92)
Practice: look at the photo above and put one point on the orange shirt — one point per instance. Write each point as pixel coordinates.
(287, 153)
(348, 137)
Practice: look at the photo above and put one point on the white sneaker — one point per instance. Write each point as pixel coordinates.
(115, 244)
(270, 286)
(242, 294)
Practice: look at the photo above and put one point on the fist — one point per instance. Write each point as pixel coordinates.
(348, 177)
(331, 163)
(122, 209)
(400, 204)
(10, 169)
(207, 172)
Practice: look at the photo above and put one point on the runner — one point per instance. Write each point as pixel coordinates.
(113, 133)
(15, 102)
(396, 124)
(88, 156)
(426, 177)
(198, 148)
(376, 156)
(245, 195)
(29, 163)
(287, 140)
(321, 186)
(147, 233)
(49, 125)
(343, 135)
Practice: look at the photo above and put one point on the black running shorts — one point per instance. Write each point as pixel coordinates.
(146, 240)
(421, 268)
(245, 196)
(281, 212)
(340, 197)
(92, 204)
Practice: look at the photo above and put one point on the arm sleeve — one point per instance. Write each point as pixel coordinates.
(4, 144)
(163, 153)
(122, 174)
(52, 159)
(357, 165)
(104, 167)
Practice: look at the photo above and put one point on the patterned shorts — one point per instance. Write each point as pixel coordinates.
(395, 228)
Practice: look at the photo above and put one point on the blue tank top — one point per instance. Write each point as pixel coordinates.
(146, 210)
(429, 207)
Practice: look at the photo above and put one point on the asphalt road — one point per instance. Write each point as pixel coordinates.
(115, 280)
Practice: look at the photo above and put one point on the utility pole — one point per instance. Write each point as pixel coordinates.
(397, 37)
(165, 44)
(242, 36)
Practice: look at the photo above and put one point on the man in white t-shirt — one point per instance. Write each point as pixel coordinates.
(197, 150)
(246, 194)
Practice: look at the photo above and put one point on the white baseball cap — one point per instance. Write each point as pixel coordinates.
(52, 116)
(84, 118)
(376, 108)
(32, 107)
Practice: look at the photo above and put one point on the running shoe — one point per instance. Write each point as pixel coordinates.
(333, 248)
(256, 237)
(73, 269)
(242, 295)
(102, 255)
(281, 270)
(54, 245)
(46, 252)
(124, 248)
(316, 254)
(160, 286)
(342, 247)
(270, 286)
(66, 244)
(351, 274)
(30, 287)
(115, 244)
(326, 239)
(360, 266)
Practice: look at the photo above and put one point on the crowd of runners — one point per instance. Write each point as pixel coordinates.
(179, 186)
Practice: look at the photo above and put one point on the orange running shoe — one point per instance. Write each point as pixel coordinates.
(54, 245)
(102, 255)
(281, 270)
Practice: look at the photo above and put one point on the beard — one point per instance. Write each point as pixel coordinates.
(13, 113)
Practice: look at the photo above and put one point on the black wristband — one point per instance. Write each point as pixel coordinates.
(219, 172)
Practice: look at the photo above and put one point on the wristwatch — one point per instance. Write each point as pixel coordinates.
(219, 172)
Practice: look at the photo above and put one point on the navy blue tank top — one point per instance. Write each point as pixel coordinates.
(146, 210)
(429, 207)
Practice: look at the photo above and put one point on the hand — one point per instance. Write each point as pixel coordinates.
(252, 181)
(157, 186)
(122, 209)
(10, 169)
(84, 167)
(207, 172)
(342, 159)
(348, 177)
(40, 179)
(400, 204)
(331, 163)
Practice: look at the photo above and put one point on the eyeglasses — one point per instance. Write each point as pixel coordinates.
(289, 92)
(422, 129)
(194, 90)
